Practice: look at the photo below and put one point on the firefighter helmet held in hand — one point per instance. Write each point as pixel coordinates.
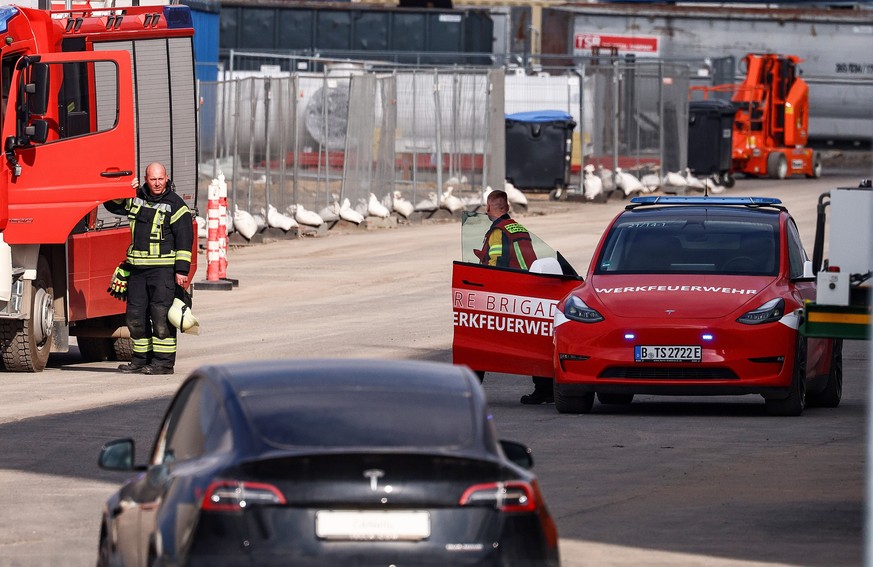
(182, 318)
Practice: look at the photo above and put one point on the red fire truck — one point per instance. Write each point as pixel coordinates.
(90, 96)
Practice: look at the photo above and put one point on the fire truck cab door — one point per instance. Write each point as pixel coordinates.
(68, 138)
(503, 317)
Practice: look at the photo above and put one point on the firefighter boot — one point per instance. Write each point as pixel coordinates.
(543, 392)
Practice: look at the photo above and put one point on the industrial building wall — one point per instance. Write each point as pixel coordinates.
(836, 46)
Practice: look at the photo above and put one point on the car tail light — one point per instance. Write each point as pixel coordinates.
(771, 311)
(549, 527)
(236, 496)
(513, 496)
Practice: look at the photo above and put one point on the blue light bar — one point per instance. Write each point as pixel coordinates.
(178, 17)
(674, 200)
(6, 13)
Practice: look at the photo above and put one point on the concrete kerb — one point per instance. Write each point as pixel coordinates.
(268, 234)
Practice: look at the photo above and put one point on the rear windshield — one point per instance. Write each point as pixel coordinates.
(361, 418)
(681, 241)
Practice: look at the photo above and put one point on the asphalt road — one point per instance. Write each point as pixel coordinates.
(667, 481)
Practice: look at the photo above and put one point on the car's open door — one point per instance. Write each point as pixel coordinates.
(503, 317)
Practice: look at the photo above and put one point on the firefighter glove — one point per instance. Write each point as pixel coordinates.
(118, 286)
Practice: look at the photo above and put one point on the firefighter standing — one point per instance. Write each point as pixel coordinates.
(508, 244)
(158, 259)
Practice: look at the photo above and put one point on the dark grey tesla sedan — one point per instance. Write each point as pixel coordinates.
(327, 462)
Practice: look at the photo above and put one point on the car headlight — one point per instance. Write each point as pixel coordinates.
(577, 310)
(771, 311)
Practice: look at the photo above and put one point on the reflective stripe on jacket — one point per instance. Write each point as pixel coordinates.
(160, 230)
(508, 245)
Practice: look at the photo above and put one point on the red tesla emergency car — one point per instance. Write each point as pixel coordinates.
(683, 296)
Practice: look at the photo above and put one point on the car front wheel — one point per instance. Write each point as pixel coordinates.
(795, 402)
(833, 391)
(573, 404)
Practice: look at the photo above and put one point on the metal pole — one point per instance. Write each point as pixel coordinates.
(471, 151)
(868, 500)
(616, 117)
(372, 86)
(214, 131)
(345, 176)
(268, 95)
(253, 106)
(439, 126)
(393, 147)
(296, 84)
(581, 119)
(236, 163)
(283, 138)
(220, 119)
(662, 157)
(414, 134)
(456, 113)
(486, 143)
(324, 118)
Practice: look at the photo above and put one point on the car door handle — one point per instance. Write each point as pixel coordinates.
(468, 282)
(123, 173)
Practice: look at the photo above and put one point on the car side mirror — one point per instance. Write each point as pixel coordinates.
(808, 271)
(517, 453)
(118, 455)
(546, 265)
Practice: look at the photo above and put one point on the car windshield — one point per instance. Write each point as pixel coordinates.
(682, 240)
(361, 418)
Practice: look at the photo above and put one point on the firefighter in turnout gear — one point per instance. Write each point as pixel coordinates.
(508, 244)
(158, 259)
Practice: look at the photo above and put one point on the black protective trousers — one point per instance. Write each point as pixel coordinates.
(150, 294)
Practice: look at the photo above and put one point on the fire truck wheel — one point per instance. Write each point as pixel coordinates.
(95, 349)
(777, 165)
(123, 349)
(816, 166)
(26, 344)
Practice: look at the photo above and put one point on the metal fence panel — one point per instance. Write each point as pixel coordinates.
(360, 132)
(287, 138)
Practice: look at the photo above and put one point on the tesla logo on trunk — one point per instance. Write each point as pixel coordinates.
(374, 475)
(669, 311)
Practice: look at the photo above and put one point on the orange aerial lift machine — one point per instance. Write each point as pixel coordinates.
(770, 129)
